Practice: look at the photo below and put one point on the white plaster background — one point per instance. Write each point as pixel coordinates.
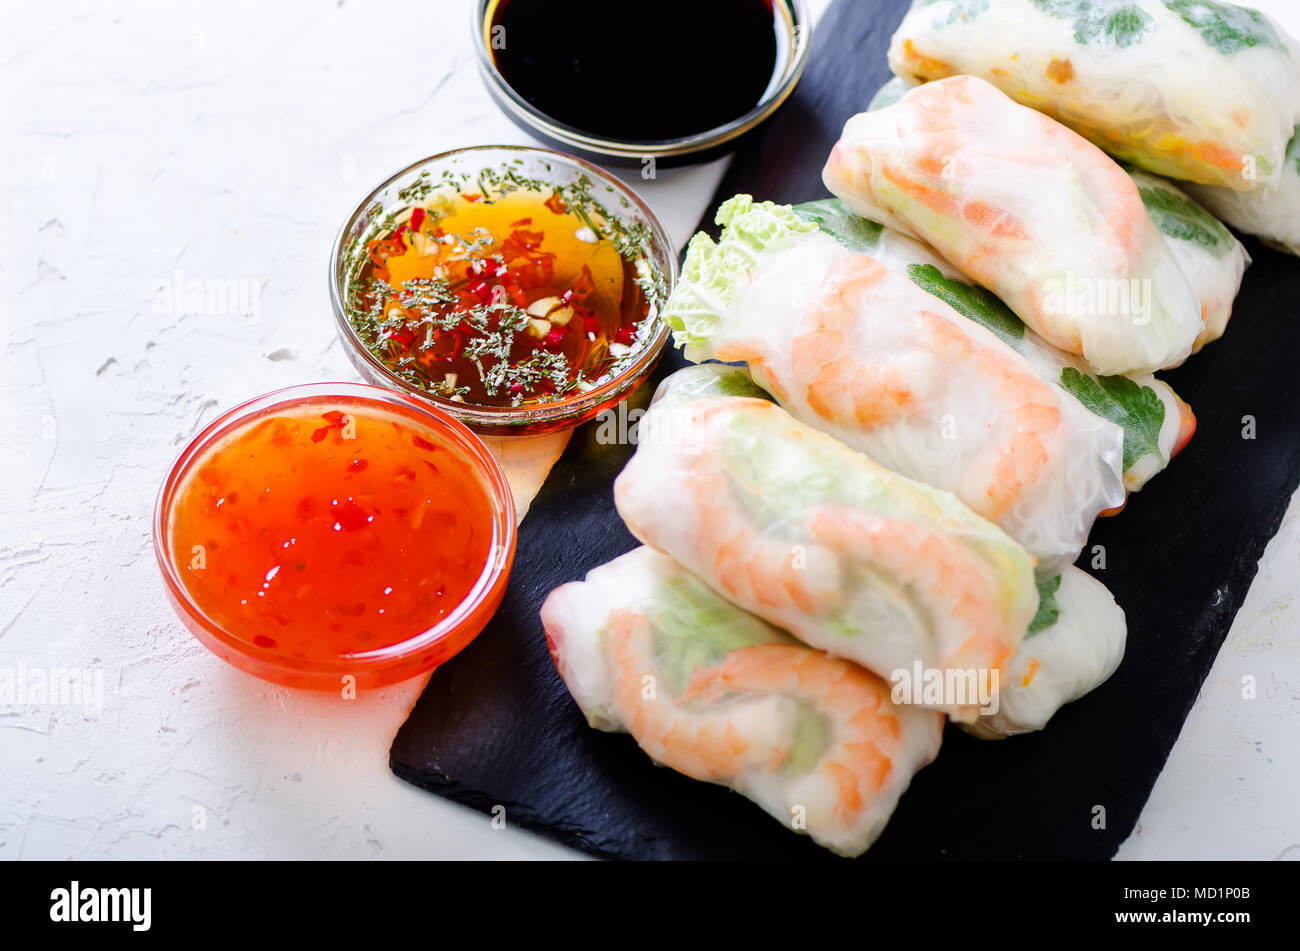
(228, 141)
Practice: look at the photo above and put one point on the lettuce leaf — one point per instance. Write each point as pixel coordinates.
(713, 270)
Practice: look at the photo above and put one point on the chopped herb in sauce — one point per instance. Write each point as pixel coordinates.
(501, 290)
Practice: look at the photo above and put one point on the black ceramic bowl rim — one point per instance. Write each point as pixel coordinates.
(799, 27)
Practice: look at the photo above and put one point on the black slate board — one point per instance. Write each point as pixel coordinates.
(496, 726)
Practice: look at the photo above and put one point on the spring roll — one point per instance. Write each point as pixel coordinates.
(792, 525)
(720, 696)
(859, 351)
(1022, 205)
(1075, 643)
(1210, 257)
(1191, 89)
(1157, 424)
(1271, 212)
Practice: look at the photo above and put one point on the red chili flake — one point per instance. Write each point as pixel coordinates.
(556, 204)
(335, 419)
(261, 640)
(432, 467)
(471, 198)
(521, 244)
(554, 341)
(403, 337)
(381, 249)
(521, 222)
(535, 271)
(625, 334)
(488, 267)
(585, 284)
(481, 291)
(446, 345)
(349, 516)
(591, 324)
(417, 218)
(358, 465)
(516, 388)
(407, 473)
(424, 444)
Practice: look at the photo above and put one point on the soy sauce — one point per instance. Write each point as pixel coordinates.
(647, 71)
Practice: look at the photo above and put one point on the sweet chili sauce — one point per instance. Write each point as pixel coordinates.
(500, 301)
(321, 534)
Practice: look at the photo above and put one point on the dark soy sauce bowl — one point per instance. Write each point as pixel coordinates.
(793, 29)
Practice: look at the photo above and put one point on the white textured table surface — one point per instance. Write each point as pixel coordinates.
(159, 144)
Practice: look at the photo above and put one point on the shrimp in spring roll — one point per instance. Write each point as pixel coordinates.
(860, 351)
(719, 695)
(795, 527)
(1030, 210)
(1155, 420)
(1211, 258)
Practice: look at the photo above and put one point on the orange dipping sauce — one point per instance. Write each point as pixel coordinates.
(325, 533)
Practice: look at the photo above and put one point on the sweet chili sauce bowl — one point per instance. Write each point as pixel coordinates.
(613, 208)
(335, 535)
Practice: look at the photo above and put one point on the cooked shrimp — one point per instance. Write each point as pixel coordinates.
(967, 622)
(846, 389)
(714, 744)
(865, 731)
(750, 565)
(1031, 210)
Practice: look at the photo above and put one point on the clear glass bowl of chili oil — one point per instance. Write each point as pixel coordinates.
(517, 289)
(335, 534)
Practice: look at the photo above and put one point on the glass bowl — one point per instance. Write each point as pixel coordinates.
(370, 668)
(612, 204)
(794, 36)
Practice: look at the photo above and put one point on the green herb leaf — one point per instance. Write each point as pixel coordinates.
(1121, 22)
(1180, 218)
(1049, 610)
(970, 300)
(1135, 409)
(960, 10)
(834, 217)
(1229, 29)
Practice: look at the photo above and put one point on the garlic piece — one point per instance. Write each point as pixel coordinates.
(543, 306)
